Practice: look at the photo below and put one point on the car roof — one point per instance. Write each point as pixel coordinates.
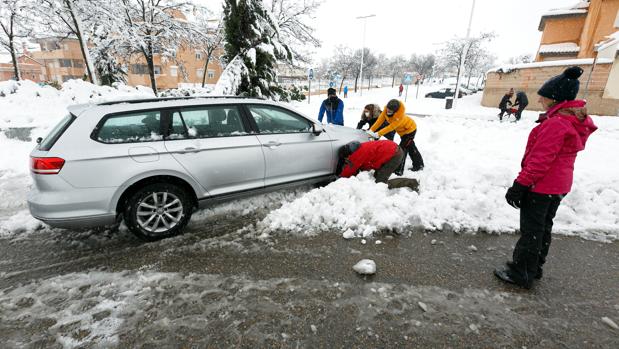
(155, 103)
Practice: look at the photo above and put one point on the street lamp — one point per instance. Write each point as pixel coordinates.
(465, 50)
(362, 51)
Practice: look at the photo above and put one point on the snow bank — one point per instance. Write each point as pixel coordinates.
(27, 104)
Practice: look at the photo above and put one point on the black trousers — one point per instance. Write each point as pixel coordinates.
(407, 143)
(520, 110)
(536, 214)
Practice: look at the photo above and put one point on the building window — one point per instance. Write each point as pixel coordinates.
(66, 47)
(173, 71)
(78, 63)
(65, 63)
(211, 74)
(157, 70)
(617, 20)
(199, 72)
(139, 69)
(198, 55)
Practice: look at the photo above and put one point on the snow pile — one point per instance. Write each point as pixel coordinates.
(470, 162)
(27, 104)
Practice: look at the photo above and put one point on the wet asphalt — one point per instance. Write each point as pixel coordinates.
(222, 286)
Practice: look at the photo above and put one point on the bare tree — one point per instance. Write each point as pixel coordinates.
(453, 51)
(12, 23)
(423, 64)
(397, 66)
(344, 64)
(151, 27)
(524, 58)
(65, 18)
(210, 38)
(294, 19)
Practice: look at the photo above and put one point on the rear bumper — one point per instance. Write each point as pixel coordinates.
(79, 222)
(64, 206)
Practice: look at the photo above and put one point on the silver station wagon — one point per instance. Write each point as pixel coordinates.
(152, 162)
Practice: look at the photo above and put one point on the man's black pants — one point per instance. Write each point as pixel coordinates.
(536, 214)
(407, 143)
(519, 112)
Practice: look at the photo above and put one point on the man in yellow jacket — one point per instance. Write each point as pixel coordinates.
(406, 127)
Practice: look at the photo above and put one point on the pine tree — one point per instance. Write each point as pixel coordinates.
(253, 49)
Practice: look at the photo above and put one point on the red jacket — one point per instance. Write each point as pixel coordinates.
(369, 156)
(548, 162)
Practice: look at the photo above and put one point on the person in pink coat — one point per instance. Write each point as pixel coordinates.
(546, 174)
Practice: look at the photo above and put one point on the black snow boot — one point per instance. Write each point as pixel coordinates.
(540, 271)
(507, 276)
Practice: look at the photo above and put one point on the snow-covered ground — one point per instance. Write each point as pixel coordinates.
(471, 158)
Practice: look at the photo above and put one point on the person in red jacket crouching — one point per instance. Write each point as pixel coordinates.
(383, 156)
(546, 174)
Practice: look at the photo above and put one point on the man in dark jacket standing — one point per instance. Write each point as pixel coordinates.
(521, 101)
(505, 103)
(334, 107)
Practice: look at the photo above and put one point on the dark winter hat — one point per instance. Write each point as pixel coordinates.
(330, 91)
(348, 149)
(563, 87)
(393, 105)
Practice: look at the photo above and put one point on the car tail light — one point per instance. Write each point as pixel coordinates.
(46, 165)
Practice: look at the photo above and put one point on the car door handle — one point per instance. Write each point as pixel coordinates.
(189, 150)
(272, 144)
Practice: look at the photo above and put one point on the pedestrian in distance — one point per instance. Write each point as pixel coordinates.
(346, 91)
(521, 102)
(406, 128)
(333, 107)
(506, 103)
(546, 174)
(400, 90)
(370, 115)
(382, 156)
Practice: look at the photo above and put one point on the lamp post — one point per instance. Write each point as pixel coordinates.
(465, 50)
(362, 51)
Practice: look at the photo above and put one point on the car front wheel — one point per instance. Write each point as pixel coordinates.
(158, 211)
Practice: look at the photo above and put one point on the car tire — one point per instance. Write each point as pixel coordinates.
(158, 211)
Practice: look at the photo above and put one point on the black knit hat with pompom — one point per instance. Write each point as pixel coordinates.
(563, 87)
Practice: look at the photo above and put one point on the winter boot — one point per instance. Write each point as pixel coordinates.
(411, 183)
(506, 275)
(540, 271)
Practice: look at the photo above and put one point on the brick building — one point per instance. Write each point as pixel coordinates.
(586, 35)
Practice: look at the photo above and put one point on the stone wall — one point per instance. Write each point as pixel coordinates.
(530, 79)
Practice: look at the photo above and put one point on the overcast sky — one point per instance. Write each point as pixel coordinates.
(419, 26)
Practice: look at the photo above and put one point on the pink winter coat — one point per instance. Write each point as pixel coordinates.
(548, 162)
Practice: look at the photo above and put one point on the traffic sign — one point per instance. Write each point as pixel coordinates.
(408, 79)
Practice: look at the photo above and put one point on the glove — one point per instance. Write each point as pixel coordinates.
(515, 194)
(373, 134)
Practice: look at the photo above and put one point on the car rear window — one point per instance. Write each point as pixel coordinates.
(48, 142)
(144, 126)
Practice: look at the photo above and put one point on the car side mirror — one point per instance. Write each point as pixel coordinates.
(39, 140)
(317, 129)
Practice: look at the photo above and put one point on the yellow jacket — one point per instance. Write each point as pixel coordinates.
(400, 122)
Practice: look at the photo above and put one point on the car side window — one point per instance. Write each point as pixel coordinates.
(144, 126)
(206, 122)
(275, 120)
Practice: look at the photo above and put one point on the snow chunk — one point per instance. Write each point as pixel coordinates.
(423, 306)
(472, 248)
(610, 322)
(348, 234)
(365, 267)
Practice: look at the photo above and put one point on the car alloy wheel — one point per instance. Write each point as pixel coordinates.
(159, 212)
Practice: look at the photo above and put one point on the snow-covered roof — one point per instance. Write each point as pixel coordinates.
(584, 61)
(610, 40)
(561, 47)
(578, 9)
